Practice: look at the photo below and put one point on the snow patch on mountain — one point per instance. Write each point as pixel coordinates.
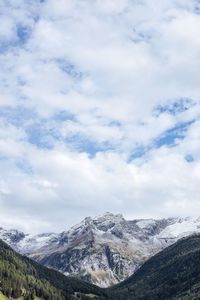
(146, 223)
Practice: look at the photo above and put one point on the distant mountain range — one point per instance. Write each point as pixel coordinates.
(104, 250)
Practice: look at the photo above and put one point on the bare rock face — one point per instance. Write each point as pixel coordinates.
(104, 250)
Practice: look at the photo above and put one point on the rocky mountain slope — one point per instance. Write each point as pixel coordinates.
(104, 250)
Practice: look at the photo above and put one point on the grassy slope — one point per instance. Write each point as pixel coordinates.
(2, 297)
(174, 273)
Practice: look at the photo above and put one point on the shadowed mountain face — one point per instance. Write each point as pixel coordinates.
(104, 250)
(172, 274)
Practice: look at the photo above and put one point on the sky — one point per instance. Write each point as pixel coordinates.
(99, 110)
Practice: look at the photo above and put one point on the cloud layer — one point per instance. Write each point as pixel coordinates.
(99, 110)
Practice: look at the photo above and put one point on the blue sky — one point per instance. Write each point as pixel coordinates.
(99, 110)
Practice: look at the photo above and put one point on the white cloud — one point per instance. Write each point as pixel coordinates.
(7, 29)
(108, 65)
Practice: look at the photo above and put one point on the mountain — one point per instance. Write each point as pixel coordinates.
(104, 250)
(24, 278)
(172, 274)
(26, 243)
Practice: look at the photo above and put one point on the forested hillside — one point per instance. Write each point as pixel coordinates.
(22, 277)
(174, 274)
